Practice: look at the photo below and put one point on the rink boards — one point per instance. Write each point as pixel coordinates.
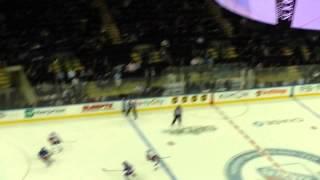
(115, 107)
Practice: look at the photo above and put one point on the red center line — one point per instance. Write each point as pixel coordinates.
(251, 141)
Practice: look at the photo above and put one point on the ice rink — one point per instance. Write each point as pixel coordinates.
(254, 141)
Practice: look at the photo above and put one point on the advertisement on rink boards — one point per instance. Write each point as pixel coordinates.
(11, 115)
(2, 115)
(151, 102)
(117, 105)
(97, 107)
(100, 107)
(252, 94)
(191, 99)
(44, 112)
(233, 95)
(307, 89)
(273, 92)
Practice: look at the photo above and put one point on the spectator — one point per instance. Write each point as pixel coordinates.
(117, 77)
(71, 75)
(132, 67)
(196, 61)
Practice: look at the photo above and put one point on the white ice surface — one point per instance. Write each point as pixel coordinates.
(104, 142)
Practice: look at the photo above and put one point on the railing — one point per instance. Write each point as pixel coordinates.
(171, 81)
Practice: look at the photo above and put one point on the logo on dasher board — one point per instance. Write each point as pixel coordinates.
(2, 115)
(298, 165)
(31, 112)
(234, 95)
(271, 92)
(150, 102)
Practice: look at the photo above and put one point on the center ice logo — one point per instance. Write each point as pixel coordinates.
(234, 168)
(272, 173)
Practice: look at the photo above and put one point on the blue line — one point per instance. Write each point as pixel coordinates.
(150, 146)
(307, 108)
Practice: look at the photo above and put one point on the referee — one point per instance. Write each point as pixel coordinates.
(177, 115)
(132, 107)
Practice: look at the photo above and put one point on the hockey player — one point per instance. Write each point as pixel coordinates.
(124, 105)
(128, 170)
(132, 107)
(56, 142)
(154, 158)
(45, 155)
(177, 115)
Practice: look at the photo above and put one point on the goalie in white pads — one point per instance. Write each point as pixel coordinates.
(154, 158)
(56, 142)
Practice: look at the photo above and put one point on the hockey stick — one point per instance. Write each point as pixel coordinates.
(110, 170)
(69, 141)
(165, 157)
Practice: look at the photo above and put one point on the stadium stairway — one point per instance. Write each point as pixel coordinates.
(109, 24)
(4, 79)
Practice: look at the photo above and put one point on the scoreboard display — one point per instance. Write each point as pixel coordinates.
(301, 14)
(306, 15)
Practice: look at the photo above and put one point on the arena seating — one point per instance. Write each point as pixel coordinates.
(90, 50)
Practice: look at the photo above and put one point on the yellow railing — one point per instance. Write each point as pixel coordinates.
(181, 80)
(4, 79)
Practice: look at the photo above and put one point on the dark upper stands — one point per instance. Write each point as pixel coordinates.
(154, 21)
(67, 41)
(33, 31)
